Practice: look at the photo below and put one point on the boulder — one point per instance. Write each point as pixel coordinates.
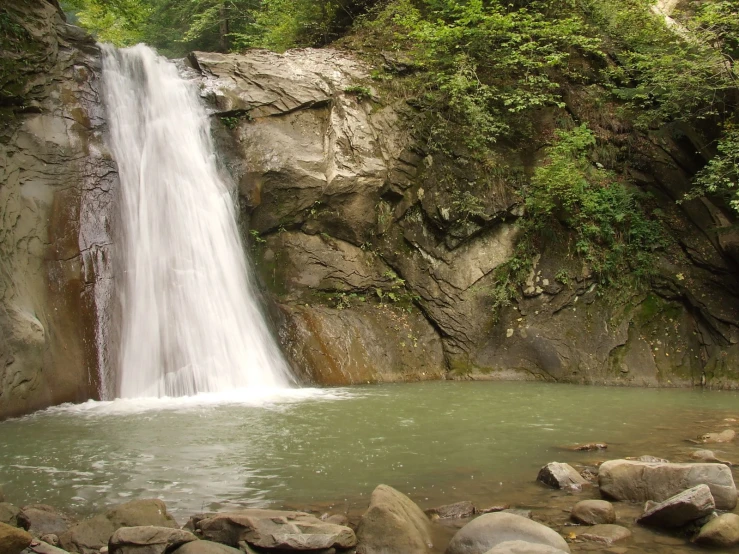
(680, 509)
(721, 531)
(606, 534)
(490, 530)
(393, 524)
(148, 540)
(275, 529)
(452, 511)
(560, 476)
(593, 512)
(90, 535)
(9, 514)
(206, 547)
(523, 547)
(642, 481)
(40, 519)
(13, 540)
(727, 435)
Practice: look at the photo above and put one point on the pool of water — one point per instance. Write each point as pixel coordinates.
(438, 442)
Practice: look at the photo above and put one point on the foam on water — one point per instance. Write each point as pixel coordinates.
(191, 322)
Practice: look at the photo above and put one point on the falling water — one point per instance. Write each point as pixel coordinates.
(190, 319)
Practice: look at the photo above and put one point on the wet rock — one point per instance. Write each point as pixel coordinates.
(275, 529)
(726, 435)
(13, 540)
(720, 531)
(650, 459)
(9, 514)
(590, 447)
(523, 547)
(560, 476)
(518, 512)
(336, 519)
(148, 540)
(393, 524)
(90, 535)
(41, 519)
(708, 456)
(641, 481)
(606, 534)
(452, 511)
(51, 539)
(593, 512)
(498, 508)
(490, 530)
(207, 547)
(44, 547)
(681, 509)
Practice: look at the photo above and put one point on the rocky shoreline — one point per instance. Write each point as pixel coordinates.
(643, 504)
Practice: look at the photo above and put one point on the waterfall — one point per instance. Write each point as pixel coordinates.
(190, 319)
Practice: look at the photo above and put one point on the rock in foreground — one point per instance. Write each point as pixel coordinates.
(393, 524)
(523, 547)
(13, 540)
(40, 520)
(680, 509)
(148, 540)
(491, 530)
(642, 481)
(721, 531)
(275, 529)
(606, 534)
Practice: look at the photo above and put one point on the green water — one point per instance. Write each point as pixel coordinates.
(438, 442)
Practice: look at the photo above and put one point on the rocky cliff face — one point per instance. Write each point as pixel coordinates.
(55, 179)
(380, 274)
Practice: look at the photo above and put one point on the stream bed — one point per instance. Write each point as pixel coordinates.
(326, 449)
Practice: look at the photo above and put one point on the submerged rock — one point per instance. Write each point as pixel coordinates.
(490, 530)
(457, 510)
(523, 547)
(680, 509)
(641, 481)
(560, 476)
(708, 456)
(720, 531)
(727, 435)
(148, 540)
(40, 519)
(13, 540)
(593, 512)
(606, 534)
(275, 529)
(393, 524)
(206, 547)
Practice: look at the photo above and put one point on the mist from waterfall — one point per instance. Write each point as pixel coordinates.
(190, 320)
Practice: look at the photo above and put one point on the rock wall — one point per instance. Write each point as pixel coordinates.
(55, 183)
(352, 223)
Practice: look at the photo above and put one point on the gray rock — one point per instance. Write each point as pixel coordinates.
(720, 531)
(44, 547)
(606, 534)
(275, 529)
(681, 509)
(148, 540)
(560, 476)
(393, 524)
(9, 514)
(206, 547)
(650, 459)
(452, 511)
(523, 547)
(490, 530)
(727, 435)
(523, 512)
(40, 519)
(50, 538)
(593, 512)
(642, 481)
(90, 535)
(336, 519)
(13, 540)
(708, 456)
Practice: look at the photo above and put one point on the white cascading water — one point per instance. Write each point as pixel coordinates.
(190, 319)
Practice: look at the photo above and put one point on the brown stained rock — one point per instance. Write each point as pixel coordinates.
(457, 510)
(9, 514)
(560, 476)
(593, 512)
(681, 509)
(41, 519)
(208, 547)
(708, 456)
(722, 531)
(606, 534)
(13, 540)
(726, 435)
(148, 540)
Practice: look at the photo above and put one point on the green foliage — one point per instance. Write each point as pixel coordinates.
(721, 175)
(612, 233)
(361, 92)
